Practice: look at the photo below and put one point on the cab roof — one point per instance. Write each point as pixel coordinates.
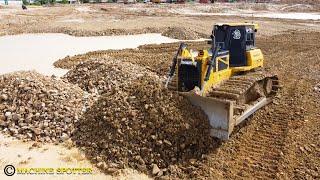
(256, 26)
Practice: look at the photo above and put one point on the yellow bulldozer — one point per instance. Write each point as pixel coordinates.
(227, 81)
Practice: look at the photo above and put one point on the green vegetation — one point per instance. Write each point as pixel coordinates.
(25, 2)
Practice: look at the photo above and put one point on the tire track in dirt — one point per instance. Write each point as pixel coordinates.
(263, 151)
(260, 155)
(257, 146)
(301, 151)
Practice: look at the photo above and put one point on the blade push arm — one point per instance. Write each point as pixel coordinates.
(210, 64)
(174, 64)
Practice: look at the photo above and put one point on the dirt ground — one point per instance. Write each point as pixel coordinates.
(280, 141)
(119, 19)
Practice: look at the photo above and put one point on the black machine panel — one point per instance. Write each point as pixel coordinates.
(190, 77)
(237, 47)
(237, 40)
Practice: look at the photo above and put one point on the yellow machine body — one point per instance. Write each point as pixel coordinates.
(254, 57)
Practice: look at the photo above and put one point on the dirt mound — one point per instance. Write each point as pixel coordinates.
(145, 127)
(181, 33)
(36, 107)
(104, 75)
(70, 62)
(156, 58)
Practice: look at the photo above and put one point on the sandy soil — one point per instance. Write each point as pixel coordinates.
(280, 141)
(30, 154)
(117, 19)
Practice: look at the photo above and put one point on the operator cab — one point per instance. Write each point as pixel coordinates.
(237, 39)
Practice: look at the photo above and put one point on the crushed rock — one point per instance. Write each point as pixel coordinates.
(37, 107)
(144, 126)
(104, 75)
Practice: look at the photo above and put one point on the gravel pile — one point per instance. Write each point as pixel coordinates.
(145, 127)
(69, 62)
(37, 107)
(104, 75)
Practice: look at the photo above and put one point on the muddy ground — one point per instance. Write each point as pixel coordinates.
(280, 141)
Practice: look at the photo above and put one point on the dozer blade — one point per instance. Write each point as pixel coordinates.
(221, 113)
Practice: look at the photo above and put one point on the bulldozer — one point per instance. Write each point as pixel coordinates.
(227, 81)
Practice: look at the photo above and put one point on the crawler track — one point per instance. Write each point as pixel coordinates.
(238, 87)
(244, 89)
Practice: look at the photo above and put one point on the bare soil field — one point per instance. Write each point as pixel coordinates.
(126, 119)
(119, 19)
(279, 141)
